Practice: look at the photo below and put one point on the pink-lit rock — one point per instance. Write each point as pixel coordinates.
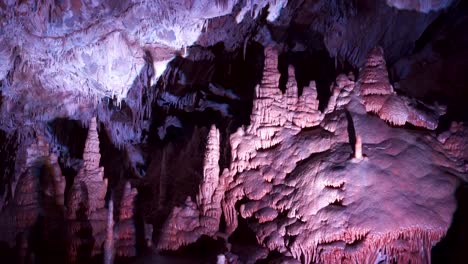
(86, 203)
(307, 197)
(420, 5)
(125, 245)
(378, 97)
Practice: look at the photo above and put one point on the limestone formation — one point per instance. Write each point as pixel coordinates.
(325, 149)
(188, 223)
(303, 191)
(39, 191)
(304, 209)
(125, 244)
(109, 242)
(86, 211)
(378, 97)
(420, 5)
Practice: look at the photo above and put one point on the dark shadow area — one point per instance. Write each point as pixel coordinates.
(71, 134)
(174, 172)
(315, 66)
(351, 130)
(243, 241)
(8, 150)
(204, 250)
(81, 230)
(453, 247)
(434, 71)
(113, 159)
(48, 235)
(7, 254)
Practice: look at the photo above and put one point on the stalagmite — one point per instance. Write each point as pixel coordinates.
(378, 96)
(307, 198)
(36, 195)
(358, 148)
(86, 202)
(188, 223)
(210, 171)
(148, 230)
(125, 231)
(109, 242)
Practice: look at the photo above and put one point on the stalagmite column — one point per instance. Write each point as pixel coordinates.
(38, 193)
(210, 171)
(109, 243)
(188, 223)
(58, 187)
(86, 204)
(358, 148)
(27, 196)
(378, 96)
(125, 238)
(89, 187)
(374, 75)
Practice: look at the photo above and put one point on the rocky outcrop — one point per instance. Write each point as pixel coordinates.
(306, 192)
(455, 140)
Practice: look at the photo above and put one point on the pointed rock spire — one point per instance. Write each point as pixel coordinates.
(125, 238)
(205, 215)
(374, 75)
(210, 170)
(86, 202)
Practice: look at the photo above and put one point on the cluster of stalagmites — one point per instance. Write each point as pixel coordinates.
(87, 210)
(338, 186)
(40, 192)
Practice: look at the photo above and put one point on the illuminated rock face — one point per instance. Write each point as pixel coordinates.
(87, 212)
(378, 97)
(420, 5)
(308, 198)
(369, 178)
(59, 59)
(85, 50)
